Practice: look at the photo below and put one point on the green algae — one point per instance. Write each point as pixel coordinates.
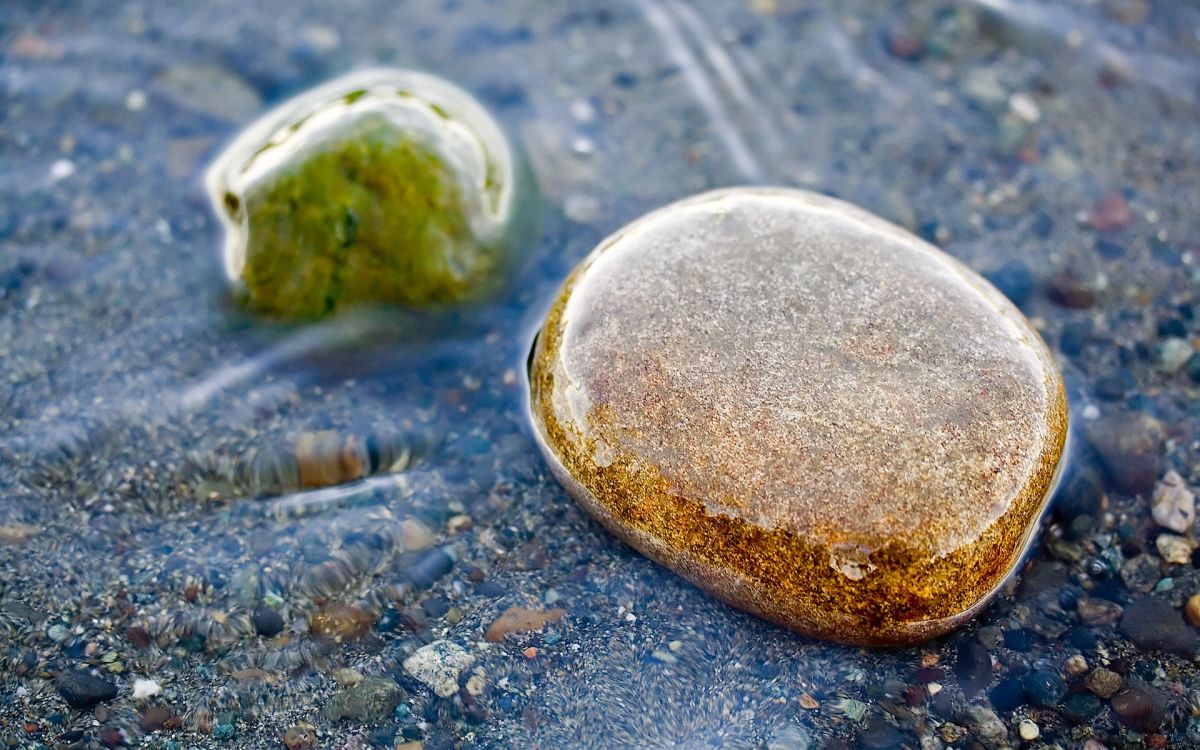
(372, 217)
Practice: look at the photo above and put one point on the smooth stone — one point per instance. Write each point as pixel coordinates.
(803, 409)
(382, 186)
(1154, 625)
(372, 700)
(82, 690)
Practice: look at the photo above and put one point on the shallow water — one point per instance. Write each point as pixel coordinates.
(1053, 146)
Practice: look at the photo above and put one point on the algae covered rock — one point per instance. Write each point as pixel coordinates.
(383, 186)
(803, 409)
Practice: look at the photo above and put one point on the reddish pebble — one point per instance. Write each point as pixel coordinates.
(531, 652)
(521, 620)
(1111, 212)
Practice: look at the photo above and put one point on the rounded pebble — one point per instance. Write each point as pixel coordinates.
(803, 409)
(84, 689)
(1028, 730)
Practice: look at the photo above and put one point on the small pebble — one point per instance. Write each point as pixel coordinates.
(790, 737)
(1130, 445)
(1191, 610)
(1154, 625)
(1075, 665)
(1173, 505)
(84, 689)
(1173, 354)
(1140, 706)
(438, 665)
(1174, 549)
(267, 621)
(145, 688)
(415, 535)
(371, 700)
(343, 623)
(300, 737)
(521, 620)
(1110, 213)
(1103, 682)
(1098, 611)
(1028, 730)
(987, 724)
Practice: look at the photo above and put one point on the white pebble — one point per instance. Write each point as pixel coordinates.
(583, 111)
(1025, 107)
(135, 101)
(1028, 730)
(62, 169)
(145, 688)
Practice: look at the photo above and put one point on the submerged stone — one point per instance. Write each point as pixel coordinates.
(803, 409)
(383, 186)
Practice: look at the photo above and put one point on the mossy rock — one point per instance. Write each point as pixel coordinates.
(385, 186)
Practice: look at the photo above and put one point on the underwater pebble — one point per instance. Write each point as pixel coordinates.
(801, 408)
(1098, 611)
(1130, 447)
(1174, 505)
(1103, 682)
(1154, 625)
(1140, 705)
(343, 623)
(1173, 354)
(986, 723)
(438, 665)
(1191, 610)
(1028, 730)
(384, 186)
(299, 737)
(267, 622)
(84, 689)
(521, 620)
(1174, 549)
(374, 699)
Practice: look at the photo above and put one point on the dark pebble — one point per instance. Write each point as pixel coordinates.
(1081, 708)
(1112, 388)
(1172, 328)
(973, 666)
(1130, 445)
(1075, 337)
(490, 589)
(1048, 575)
(1141, 706)
(430, 566)
(1154, 625)
(1044, 687)
(929, 674)
(1068, 600)
(1018, 640)
(1013, 280)
(83, 689)
(1071, 289)
(1192, 367)
(1082, 489)
(1008, 695)
(435, 606)
(267, 622)
(879, 734)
